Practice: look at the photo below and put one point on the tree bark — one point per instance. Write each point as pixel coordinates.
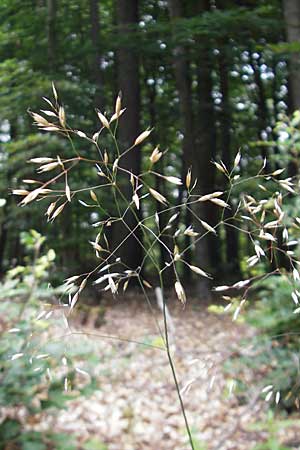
(196, 152)
(129, 128)
(209, 255)
(231, 240)
(183, 83)
(97, 74)
(291, 9)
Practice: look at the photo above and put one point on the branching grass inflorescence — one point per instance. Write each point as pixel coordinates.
(261, 218)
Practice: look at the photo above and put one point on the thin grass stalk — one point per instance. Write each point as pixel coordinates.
(172, 366)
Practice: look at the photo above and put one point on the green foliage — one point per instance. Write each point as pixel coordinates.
(273, 426)
(30, 282)
(274, 312)
(32, 375)
(274, 351)
(94, 444)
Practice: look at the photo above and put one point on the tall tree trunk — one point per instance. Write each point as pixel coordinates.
(51, 32)
(231, 240)
(97, 74)
(128, 78)
(183, 83)
(196, 154)
(67, 251)
(291, 9)
(209, 253)
(3, 241)
(160, 186)
(262, 109)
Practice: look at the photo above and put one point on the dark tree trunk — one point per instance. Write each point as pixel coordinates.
(128, 78)
(183, 83)
(291, 9)
(197, 152)
(262, 110)
(231, 240)
(3, 237)
(97, 74)
(168, 276)
(206, 150)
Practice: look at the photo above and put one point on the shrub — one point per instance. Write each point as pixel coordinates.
(32, 378)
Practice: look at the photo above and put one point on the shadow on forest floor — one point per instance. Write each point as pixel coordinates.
(136, 406)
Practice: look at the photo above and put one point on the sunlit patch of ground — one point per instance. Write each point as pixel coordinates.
(136, 406)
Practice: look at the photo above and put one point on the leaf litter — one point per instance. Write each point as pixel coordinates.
(136, 406)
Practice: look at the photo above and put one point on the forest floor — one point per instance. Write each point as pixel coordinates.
(136, 406)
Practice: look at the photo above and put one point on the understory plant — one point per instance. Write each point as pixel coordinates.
(261, 216)
(35, 374)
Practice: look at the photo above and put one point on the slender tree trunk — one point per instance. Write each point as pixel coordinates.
(3, 240)
(207, 254)
(97, 74)
(68, 251)
(262, 109)
(206, 149)
(160, 186)
(291, 9)
(231, 241)
(196, 152)
(128, 78)
(183, 82)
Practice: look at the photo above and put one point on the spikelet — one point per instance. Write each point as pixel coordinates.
(82, 285)
(93, 196)
(62, 116)
(190, 232)
(20, 192)
(132, 180)
(142, 137)
(68, 192)
(180, 292)
(277, 172)
(155, 155)
(136, 200)
(50, 209)
(40, 120)
(48, 167)
(74, 300)
(173, 180)
(237, 159)
(199, 271)
(103, 119)
(41, 160)
(147, 284)
(206, 197)
(220, 202)
(115, 116)
(48, 113)
(208, 227)
(188, 179)
(58, 211)
(30, 197)
(81, 134)
(160, 198)
(105, 158)
(54, 92)
(176, 253)
(30, 181)
(118, 104)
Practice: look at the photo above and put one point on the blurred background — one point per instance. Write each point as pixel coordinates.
(211, 78)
